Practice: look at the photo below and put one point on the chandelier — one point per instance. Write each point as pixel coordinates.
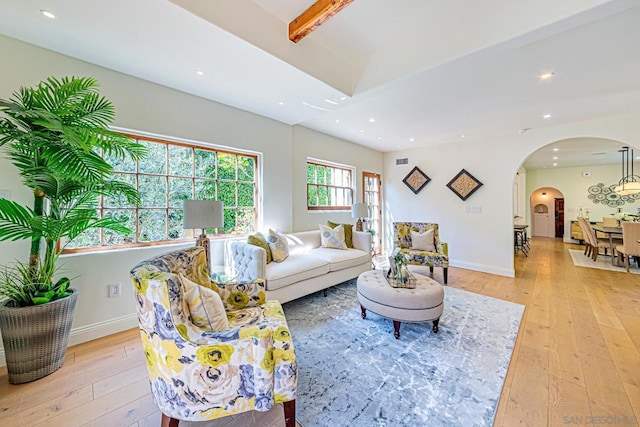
(629, 183)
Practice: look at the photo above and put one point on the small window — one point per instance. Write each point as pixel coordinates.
(329, 186)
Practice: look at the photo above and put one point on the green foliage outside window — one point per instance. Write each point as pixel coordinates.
(168, 175)
(328, 187)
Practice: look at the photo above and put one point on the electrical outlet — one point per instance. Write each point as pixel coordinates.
(114, 290)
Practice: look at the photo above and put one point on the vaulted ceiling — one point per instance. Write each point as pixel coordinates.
(385, 74)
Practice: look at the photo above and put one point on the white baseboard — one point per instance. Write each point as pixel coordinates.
(95, 330)
(509, 272)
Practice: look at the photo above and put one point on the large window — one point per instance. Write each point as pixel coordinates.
(171, 173)
(329, 186)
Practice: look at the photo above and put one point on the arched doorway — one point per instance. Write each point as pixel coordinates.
(547, 212)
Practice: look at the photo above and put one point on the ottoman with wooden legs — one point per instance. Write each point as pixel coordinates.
(424, 303)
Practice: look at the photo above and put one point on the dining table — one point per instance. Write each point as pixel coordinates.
(610, 232)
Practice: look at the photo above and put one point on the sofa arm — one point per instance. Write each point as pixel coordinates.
(362, 241)
(443, 248)
(250, 261)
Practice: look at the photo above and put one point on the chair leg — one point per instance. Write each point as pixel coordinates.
(586, 248)
(626, 262)
(167, 421)
(289, 413)
(445, 272)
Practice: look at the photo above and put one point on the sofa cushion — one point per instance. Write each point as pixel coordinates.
(297, 267)
(332, 238)
(278, 245)
(348, 232)
(259, 240)
(339, 260)
(423, 241)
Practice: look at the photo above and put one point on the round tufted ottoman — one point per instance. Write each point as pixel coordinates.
(422, 304)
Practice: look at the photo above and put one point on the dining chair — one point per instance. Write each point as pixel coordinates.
(586, 237)
(609, 221)
(630, 246)
(596, 243)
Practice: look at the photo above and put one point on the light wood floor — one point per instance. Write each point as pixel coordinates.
(576, 360)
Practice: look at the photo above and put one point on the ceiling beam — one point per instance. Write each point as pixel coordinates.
(313, 17)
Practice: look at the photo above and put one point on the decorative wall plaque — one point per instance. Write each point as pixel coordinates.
(416, 180)
(606, 195)
(464, 184)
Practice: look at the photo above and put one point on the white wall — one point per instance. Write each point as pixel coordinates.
(148, 107)
(482, 241)
(309, 143)
(574, 186)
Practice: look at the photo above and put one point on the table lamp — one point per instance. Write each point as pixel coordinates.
(203, 214)
(359, 210)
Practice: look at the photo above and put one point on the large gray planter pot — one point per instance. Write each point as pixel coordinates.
(35, 338)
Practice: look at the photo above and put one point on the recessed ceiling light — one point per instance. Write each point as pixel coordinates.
(555, 164)
(372, 120)
(281, 103)
(637, 157)
(548, 75)
(555, 149)
(361, 130)
(200, 72)
(555, 157)
(48, 14)
(546, 116)
(337, 120)
(411, 139)
(342, 98)
(379, 138)
(462, 136)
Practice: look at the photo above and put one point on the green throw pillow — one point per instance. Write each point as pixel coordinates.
(258, 239)
(348, 232)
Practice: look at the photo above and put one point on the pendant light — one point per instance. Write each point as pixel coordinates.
(629, 183)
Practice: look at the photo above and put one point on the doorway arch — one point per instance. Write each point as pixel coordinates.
(547, 212)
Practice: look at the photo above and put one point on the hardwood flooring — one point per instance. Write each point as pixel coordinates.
(576, 359)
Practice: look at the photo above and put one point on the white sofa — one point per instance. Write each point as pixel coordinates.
(308, 268)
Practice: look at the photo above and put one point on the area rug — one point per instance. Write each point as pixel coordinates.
(353, 372)
(603, 262)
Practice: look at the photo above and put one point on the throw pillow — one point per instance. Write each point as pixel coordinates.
(348, 232)
(332, 237)
(258, 239)
(278, 245)
(205, 306)
(423, 241)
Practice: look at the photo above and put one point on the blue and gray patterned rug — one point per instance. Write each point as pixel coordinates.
(353, 372)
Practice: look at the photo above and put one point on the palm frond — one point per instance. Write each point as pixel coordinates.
(15, 221)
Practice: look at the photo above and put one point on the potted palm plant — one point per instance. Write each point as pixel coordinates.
(56, 134)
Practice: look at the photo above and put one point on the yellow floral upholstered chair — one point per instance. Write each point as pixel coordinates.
(421, 245)
(198, 374)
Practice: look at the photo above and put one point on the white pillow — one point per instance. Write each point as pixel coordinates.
(332, 237)
(423, 241)
(278, 245)
(205, 306)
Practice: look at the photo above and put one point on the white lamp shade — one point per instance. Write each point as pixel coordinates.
(359, 210)
(627, 188)
(202, 214)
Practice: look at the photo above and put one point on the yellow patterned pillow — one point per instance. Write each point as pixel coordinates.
(205, 306)
(258, 239)
(332, 237)
(278, 245)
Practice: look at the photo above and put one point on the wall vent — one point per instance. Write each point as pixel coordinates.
(404, 161)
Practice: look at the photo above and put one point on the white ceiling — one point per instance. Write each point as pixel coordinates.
(427, 71)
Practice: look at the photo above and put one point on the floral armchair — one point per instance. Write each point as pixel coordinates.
(197, 374)
(435, 256)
